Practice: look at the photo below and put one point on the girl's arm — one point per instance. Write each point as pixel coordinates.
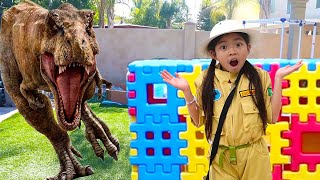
(277, 88)
(182, 84)
(192, 107)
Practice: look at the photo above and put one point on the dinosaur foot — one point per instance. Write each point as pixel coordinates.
(97, 129)
(70, 166)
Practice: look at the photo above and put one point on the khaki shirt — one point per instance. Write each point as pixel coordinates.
(243, 124)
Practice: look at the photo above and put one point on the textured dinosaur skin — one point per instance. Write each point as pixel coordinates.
(55, 51)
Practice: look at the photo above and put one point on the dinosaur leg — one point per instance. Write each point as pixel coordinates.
(43, 121)
(97, 129)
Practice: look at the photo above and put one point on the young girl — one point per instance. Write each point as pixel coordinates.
(243, 153)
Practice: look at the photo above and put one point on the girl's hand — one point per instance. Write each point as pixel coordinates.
(284, 71)
(177, 82)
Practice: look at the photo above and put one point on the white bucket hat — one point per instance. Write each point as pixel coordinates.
(228, 26)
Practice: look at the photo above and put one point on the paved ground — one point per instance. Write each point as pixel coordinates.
(6, 112)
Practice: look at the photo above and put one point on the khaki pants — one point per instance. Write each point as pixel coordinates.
(253, 163)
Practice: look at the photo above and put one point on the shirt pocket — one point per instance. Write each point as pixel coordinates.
(251, 118)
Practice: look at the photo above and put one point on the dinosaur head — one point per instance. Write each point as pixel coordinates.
(68, 60)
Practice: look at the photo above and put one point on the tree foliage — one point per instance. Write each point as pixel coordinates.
(52, 4)
(159, 14)
(208, 16)
(218, 10)
(4, 5)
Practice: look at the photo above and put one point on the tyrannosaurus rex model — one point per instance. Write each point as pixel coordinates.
(55, 51)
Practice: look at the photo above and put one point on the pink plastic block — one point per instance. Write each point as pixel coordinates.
(132, 111)
(132, 94)
(272, 72)
(277, 172)
(295, 135)
(285, 100)
(131, 77)
(285, 84)
(283, 118)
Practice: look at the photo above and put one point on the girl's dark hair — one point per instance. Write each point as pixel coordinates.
(208, 86)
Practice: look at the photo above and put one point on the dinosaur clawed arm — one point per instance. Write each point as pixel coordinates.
(32, 96)
(97, 129)
(99, 82)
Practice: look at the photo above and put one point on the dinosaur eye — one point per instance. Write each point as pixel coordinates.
(61, 30)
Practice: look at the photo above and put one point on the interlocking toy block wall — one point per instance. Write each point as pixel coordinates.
(165, 145)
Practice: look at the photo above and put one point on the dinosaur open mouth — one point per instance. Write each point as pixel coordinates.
(68, 83)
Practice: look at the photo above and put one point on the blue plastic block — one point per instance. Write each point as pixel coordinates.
(159, 174)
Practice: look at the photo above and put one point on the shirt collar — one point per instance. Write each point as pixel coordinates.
(225, 76)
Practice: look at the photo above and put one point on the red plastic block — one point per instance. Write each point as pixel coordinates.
(149, 135)
(166, 135)
(150, 96)
(182, 118)
(150, 151)
(166, 151)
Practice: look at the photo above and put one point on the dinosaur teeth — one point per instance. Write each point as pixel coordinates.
(87, 69)
(62, 69)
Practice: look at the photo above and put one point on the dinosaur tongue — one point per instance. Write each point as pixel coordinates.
(68, 84)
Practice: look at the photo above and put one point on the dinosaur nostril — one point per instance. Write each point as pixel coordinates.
(83, 41)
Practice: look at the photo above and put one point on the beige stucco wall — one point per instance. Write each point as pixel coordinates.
(281, 10)
(119, 47)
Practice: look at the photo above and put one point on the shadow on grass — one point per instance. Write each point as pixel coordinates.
(121, 167)
(107, 168)
(98, 109)
(8, 153)
(27, 154)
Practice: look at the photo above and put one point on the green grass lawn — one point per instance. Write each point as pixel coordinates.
(26, 154)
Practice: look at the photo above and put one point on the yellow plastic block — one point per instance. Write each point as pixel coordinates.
(133, 152)
(190, 77)
(134, 173)
(294, 92)
(133, 119)
(302, 174)
(198, 175)
(197, 150)
(133, 135)
(276, 142)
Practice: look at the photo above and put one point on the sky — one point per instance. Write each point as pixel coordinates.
(194, 6)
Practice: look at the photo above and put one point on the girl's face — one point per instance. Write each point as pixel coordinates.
(231, 52)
